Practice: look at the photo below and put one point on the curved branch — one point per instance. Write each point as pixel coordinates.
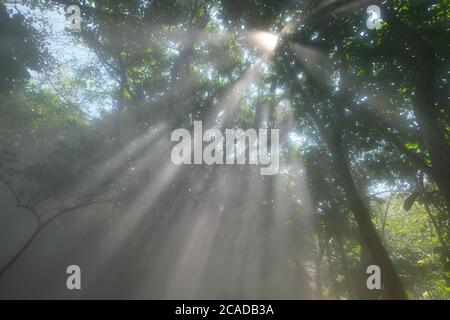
(19, 203)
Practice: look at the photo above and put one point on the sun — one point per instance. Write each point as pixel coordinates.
(266, 41)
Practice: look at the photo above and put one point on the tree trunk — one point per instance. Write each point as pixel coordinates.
(22, 249)
(348, 280)
(319, 267)
(392, 284)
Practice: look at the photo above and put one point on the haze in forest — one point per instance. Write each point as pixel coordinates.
(87, 178)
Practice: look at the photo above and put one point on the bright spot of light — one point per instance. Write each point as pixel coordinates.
(265, 40)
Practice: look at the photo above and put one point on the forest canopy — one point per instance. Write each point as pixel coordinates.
(86, 177)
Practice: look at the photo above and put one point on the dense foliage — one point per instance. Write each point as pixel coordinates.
(364, 125)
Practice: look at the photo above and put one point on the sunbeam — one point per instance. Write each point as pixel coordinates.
(265, 41)
(224, 150)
